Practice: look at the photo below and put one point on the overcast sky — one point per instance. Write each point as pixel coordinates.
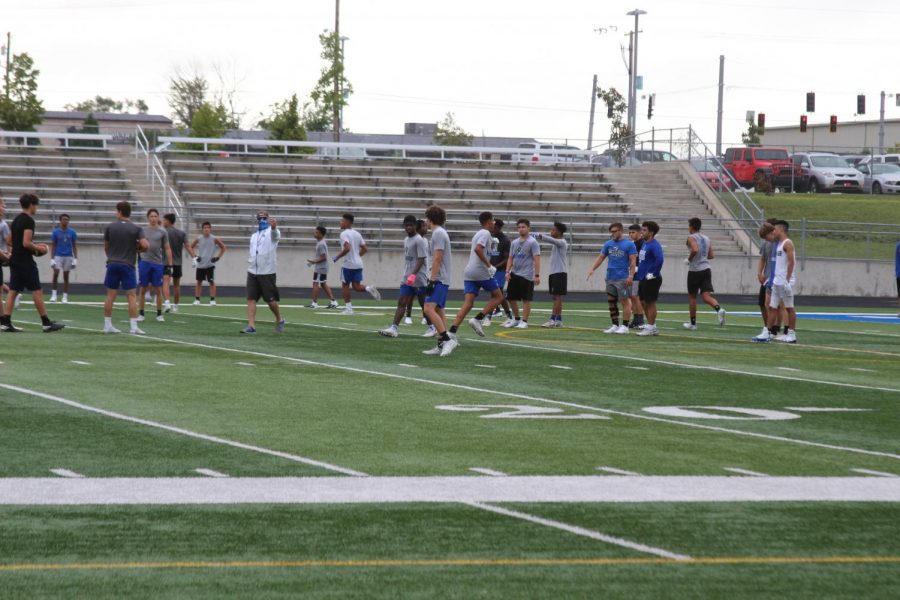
(503, 67)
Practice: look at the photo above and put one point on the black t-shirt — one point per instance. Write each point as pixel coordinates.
(20, 254)
(499, 261)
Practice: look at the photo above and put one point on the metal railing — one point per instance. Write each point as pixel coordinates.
(157, 175)
(10, 138)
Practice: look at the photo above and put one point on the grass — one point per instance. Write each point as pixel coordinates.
(332, 390)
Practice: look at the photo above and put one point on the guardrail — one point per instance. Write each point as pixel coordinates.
(65, 139)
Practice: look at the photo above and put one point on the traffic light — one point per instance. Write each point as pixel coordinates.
(761, 123)
(803, 123)
(810, 102)
(650, 106)
(861, 104)
(832, 126)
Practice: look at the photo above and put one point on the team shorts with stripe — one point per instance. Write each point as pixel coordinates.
(320, 277)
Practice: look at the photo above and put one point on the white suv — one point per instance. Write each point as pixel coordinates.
(535, 152)
(825, 172)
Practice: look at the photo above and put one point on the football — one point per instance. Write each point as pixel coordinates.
(40, 249)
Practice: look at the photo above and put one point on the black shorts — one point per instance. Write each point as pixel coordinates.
(206, 274)
(559, 284)
(262, 286)
(648, 289)
(762, 295)
(699, 281)
(519, 288)
(898, 285)
(24, 277)
(176, 272)
(320, 277)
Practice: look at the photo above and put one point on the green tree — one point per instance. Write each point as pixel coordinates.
(751, 136)
(449, 133)
(90, 125)
(284, 124)
(186, 95)
(319, 111)
(620, 135)
(102, 104)
(209, 122)
(20, 108)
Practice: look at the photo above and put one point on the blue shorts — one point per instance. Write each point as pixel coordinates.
(409, 290)
(473, 287)
(500, 278)
(351, 275)
(150, 274)
(120, 275)
(439, 296)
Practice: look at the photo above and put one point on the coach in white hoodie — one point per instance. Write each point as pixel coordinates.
(261, 267)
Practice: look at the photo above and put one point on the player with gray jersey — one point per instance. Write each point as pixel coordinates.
(320, 270)
(208, 250)
(438, 286)
(122, 240)
(353, 248)
(559, 276)
(172, 273)
(151, 264)
(415, 251)
(522, 273)
(699, 278)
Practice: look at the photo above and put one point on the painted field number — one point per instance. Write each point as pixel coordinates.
(518, 411)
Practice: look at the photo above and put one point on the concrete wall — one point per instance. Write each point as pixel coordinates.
(731, 275)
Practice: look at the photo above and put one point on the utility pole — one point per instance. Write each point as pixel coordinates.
(8, 51)
(881, 127)
(721, 103)
(590, 139)
(336, 107)
(630, 80)
(634, 75)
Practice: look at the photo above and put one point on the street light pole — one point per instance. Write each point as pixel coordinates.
(336, 113)
(634, 74)
(343, 96)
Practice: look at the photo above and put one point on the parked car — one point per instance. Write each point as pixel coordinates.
(825, 172)
(712, 173)
(853, 159)
(745, 164)
(637, 157)
(536, 152)
(880, 158)
(880, 178)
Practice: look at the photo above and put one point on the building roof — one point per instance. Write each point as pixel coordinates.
(126, 117)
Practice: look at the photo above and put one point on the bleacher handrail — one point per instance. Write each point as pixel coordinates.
(63, 137)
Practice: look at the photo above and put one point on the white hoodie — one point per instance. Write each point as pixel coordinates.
(263, 259)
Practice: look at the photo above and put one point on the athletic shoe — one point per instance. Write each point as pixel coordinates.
(160, 318)
(388, 332)
(781, 338)
(765, 336)
(279, 326)
(140, 318)
(136, 331)
(622, 330)
(53, 299)
(549, 324)
(174, 308)
(791, 337)
(374, 292)
(430, 332)
(510, 323)
(10, 328)
(312, 305)
(332, 305)
(477, 326)
(522, 325)
(649, 330)
(721, 315)
(196, 303)
(347, 311)
(486, 322)
(434, 351)
(18, 301)
(111, 329)
(212, 302)
(147, 296)
(248, 329)
(448, 347)
(690, 326)
(167, 307)
(407, 320)
(611, 329)
(635, 325)
(424, 321)
(65, 299)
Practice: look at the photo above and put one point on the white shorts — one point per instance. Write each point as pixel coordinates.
(64, 263)
(782, 293)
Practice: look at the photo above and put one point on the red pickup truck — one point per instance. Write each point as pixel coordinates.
(774, 163)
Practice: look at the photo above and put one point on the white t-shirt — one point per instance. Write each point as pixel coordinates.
(352, 260)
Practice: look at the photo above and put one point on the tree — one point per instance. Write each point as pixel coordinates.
(90, 125)
(209, 121)
(318, 113)
(620, 135)
(284, 124)
(751, 136)
(186, 95)
(20, 108)
(102, 104)
(449, 133)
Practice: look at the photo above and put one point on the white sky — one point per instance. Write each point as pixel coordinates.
(504, 67)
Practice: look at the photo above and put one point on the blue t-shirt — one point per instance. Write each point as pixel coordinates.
(618, 254)
(651, 260)
(63, 238)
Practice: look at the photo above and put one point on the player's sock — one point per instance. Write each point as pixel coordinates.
(45, 320)
(615, 322)
(133, 324)
(773, 330)
(453, 328)
(479, 316)
(626, 322)
(349, 305)
(786, 329)
(445, 337)
(141, 312)
(212, 298)
(158, 313)
(509, 314)
(716, 308)
(197, 298)
(4, 320)
(107, 321)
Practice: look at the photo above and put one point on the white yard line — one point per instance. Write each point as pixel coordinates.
(164, 364)
(66, 473)
(789, 369)
(210, 473)
(186, 432)
(594, 535)
(876, 473)
(637, 368)
(409, 366)
(616, 471)
(816, 409)
(861, 370)
(245, 364)
(490, 472)
(561, 367)
(79, 362)
(486, 366)
(744, 472)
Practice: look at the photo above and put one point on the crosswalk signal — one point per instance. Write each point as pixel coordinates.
(810, 102)
(861, 104)
(832, 125)
(803, 123)
(650, 106)
(761, 123)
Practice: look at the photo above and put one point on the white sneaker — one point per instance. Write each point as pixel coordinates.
(160, 318)
(347, 311)
(430, 332)
(407, 320)
(781, 338)
(721, 315)
(765, 336)
(53, 299)
(510, 323)
(167, 306)
(486, 322)
(690, 326)
(477, 326)
(312, 305)
(424, 321)
(332, 305)
(611, 329)
(433, 352)
(136, 331)
(147, 296)
(648, 330)
(522, 325)
(212, 302)
(388, 331)
(549, 324)
(622, 330)
(791, 337)
(140, 318)
(448, 347)
(65, 298)
(111, 329)
(174, 308)
(373, 291)
(196, 303)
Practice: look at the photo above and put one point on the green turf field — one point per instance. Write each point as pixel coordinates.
(329, 461)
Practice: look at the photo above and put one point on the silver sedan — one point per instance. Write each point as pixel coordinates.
(880, 178)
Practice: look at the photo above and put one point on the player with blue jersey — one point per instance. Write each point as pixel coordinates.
(415, 250)
(649, 275)
(63, 256)
(620, 271)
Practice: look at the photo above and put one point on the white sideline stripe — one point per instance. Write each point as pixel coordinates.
(164, 364)
(877, 473)
(589, 533)
(616, 471)
(407, 365)
(637, 368)
(79, 362)
(187, 432)
(789, 369)
(745, 472)
(486, 366)
(210, 473)
(66, 473)
(490, 472)
(516, 396)
(860, 369)
(245, 364)
(815, 409)
(561, 367)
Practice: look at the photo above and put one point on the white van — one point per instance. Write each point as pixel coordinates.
(880, 158)
(536, 152)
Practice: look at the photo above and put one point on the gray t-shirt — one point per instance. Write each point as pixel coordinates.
(4, 233)
(177, 238)
(441, 241)
(414, 248)
(206, 250)
(701, 259)
(158, 240)
(122, 237)
(765, 250)
(557, 253)
(322, 250)
(476, 270)
(523, 253)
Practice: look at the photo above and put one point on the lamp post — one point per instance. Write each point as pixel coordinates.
(344, 38)
(632, 109)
